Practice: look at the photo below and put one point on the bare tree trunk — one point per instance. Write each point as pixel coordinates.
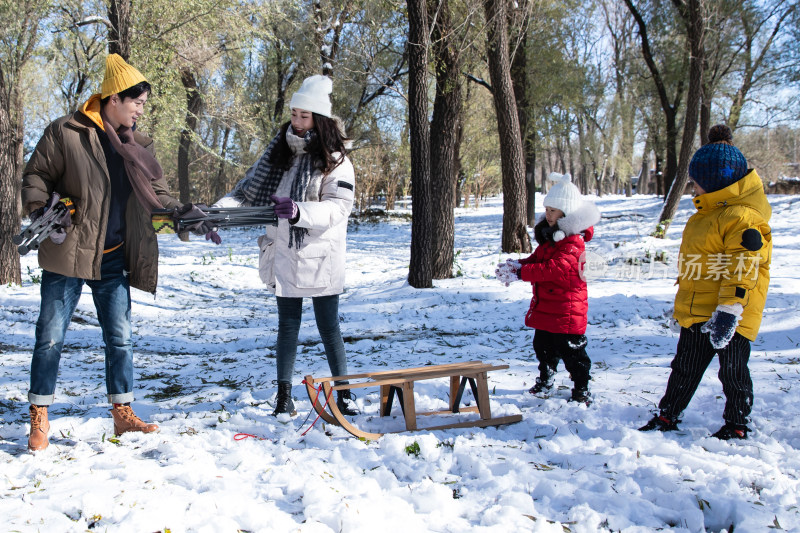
(284, 75)
(530, 187)
(659, 174)
(544, 179)
(12, 132)
(220, 186)
(193, 105)
(420, 272)
(9, 192)
(119, 35)
(620, 30)
(333, 24)
(598, 179)
(670, 109)
(391, 191)
(459, 167)
(519, 79)
(693, 14)
(627, 143)
(671, 168)
(562, 163)
(512, 159)
(583, 179)
(644, 172)
(447, 111)
(705, 113)
(569, 166)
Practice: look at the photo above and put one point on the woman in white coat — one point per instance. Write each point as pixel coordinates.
(306, 175)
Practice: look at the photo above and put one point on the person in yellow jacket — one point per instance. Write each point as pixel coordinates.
(723, 276)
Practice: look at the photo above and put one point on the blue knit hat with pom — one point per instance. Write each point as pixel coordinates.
(717, 165)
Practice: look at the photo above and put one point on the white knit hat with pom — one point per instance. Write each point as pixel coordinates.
(563, 195)
(314, 95)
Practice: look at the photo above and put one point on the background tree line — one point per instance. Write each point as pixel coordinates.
(447, 101)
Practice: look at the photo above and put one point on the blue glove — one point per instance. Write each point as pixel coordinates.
(285, 207)
(722, 327)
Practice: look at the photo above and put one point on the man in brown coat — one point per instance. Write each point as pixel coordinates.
(96, 157)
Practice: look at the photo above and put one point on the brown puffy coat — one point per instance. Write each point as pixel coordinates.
(69, 160)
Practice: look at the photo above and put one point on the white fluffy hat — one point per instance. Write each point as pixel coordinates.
(314, 95)
(563, 195)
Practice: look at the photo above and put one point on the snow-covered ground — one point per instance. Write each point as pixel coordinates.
(205, 372)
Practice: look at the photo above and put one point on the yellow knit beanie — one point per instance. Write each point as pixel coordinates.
(119, 76)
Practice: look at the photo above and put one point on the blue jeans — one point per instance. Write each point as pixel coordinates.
(112, 299)
(326, 311)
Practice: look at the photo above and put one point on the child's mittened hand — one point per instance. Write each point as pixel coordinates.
(506, 274)
(670, 322)
(721, 328)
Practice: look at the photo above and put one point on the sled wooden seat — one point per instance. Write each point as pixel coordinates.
(400, 383)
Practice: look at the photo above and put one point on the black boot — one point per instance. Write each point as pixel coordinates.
(542, 385)
(661, 423)
(581, 394)
(732, 431)
(544, 382)
(283, 401)
(344, 401)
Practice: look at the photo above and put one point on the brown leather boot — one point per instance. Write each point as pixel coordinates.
(40, 426)
(125, 420)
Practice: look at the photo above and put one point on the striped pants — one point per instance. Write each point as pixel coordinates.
(694, 354)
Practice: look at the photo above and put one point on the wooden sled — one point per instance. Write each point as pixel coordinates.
(400, 383)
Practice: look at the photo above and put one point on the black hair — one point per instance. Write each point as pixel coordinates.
(720, 133)
(131, 92)
(327, 140)
(543, 232)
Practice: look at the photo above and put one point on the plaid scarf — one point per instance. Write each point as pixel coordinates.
(262, 179)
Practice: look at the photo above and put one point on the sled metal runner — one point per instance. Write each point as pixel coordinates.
(400, 383)
(220, 217)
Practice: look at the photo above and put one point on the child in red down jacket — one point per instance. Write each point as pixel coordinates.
(560, 301)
